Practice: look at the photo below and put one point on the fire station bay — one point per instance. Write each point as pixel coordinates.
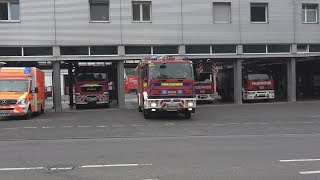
(266, 50)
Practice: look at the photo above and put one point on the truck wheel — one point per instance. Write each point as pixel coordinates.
(28, 115)
(139, 109)
(107, 105)
(187, 115)
(42, 110)
(146, 114)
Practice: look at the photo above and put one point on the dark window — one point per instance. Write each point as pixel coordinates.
(141, 11)
(74, 50)
(165, 50)
(103, 50)
(198, 49)
(138, 49)
(37, 51)
(10, 51)
(310, 13)
(259, 12)
(314, 47)
(224, 49)
(278, 48)
(302, 48)
(254, 48)
(4, 11)
(15, 11)
(99, 10)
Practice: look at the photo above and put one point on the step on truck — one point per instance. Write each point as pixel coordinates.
(22, 91)
(166, 84)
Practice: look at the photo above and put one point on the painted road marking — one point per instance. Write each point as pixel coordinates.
(30, 127)
(67, 126)
(309, 172)
(114, 165)
(102, 126)
(48, 127)
(21, 169)
(84, 126)
(62, 168)
(299, 160)
(10, 128)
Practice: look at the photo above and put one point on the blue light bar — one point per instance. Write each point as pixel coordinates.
(27, 70)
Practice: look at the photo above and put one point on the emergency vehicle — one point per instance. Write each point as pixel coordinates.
(257, 84)
(206, 81)
(22, 91)
(92, 86)
(166, 85)
(131, 80)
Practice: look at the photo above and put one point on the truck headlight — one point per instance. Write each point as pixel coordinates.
(153, 104)
(22, 101)
(190, 104)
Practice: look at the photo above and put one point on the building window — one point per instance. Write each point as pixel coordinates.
(310, 13)
(138, 50)
(99, 10)
(165, 49)
(302, 48)
(104, 50)
(10, 51)
(141, 11)
(37, 51)
(279, 48)
(221, 12)
(254, 49)
(197, 49)
(314, 47)
(10, 10)
(259, 12)
(74, 50)
(224, 49)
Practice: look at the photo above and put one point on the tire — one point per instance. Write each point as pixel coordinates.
(187, 115)
(28, 115)
(42, 110)
(146, 114)
(107, 105)
(140, 109)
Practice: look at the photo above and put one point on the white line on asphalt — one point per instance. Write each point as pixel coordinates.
(67, 126)
(21, 169)
(9, 128)
(299, 160)
(30, 127)
(118, 125)
(309, 172)
(62, 168)
(84, 126)
(315, 116)
(250, 123)
(48, 127)
(102, 126)
(235, 123)
(217, 124)
(263, 123)
(136, 125)
(114, 165)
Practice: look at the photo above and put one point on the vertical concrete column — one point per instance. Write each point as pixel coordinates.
(237, 81)
(291, 82)
(57, 86)
(182, 50)
(120, 75)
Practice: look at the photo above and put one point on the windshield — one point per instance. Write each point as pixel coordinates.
(171, 71)
(13, 85)
(131, 71)
(91, 76)
(253, 77)
(204, 77)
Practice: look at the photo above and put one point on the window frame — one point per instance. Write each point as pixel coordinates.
(9, 12)
(266, 5)
(230, 13)
(305, 12)
(140, 3)
(100, 21)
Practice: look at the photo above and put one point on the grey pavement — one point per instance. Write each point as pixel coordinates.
(219, 142)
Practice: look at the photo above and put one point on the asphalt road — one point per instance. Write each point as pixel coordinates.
(253, 141)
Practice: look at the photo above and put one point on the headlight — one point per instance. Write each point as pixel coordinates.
(22, 101)
(190, 104)
(153, 104)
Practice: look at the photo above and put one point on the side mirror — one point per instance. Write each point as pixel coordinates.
(36, 90)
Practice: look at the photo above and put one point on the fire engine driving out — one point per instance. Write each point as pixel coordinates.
(206, 81)
(92, 86)
(22, 91)
(257, 84)
(166, 85)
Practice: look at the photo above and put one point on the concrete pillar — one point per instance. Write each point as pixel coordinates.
(70, 79)
(56, 86)
(291, 82)
(237, 81)
(182, 50)
(120, 75)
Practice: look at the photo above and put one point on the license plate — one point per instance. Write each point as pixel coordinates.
(4, 113)
(172, 106)
(92, 99)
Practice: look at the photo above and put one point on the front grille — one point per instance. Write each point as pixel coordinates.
(5, 102)
(91, 89)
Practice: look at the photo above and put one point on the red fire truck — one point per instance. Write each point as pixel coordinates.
(131, 80)
(92, 86)
(166, 85)
(257, 84)
(206, 81)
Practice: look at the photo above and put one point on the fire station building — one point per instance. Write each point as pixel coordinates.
(283, 35)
